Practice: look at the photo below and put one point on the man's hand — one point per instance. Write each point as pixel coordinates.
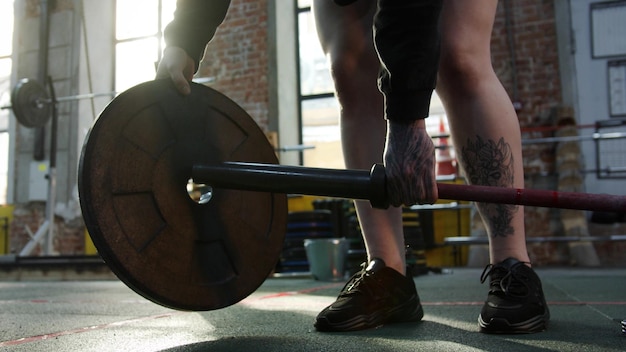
(410, 164)
(178, 66)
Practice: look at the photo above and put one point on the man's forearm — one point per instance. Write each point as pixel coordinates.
(194, 25)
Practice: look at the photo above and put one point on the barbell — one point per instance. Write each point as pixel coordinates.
(370, 185)
(31, 102)
(135, 167)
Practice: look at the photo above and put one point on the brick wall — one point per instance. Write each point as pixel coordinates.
(533, 31)
(69, 235)
(237, 58)
(535, 66)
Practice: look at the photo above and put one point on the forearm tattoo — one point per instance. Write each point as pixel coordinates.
(490, 163)
(410, 162)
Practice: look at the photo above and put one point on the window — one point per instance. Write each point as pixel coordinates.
(6, 48)
(139, 39)
(320, 110)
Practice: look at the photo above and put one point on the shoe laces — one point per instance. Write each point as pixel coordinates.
(365, 284)
(511, 282)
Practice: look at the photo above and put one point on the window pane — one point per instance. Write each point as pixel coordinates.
(304, 3)
(320, 128)
(5, 95)
(167, 14)
(6, 47)
(135, 63)
(314, 69)
(6, 27)
(5, 100)
(5, 73)
(136, 18)
(4, 163)
(5, 69)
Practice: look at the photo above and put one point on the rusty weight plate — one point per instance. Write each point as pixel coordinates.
(133, 175)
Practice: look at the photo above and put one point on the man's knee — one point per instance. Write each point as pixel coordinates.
(351, 70)
(343, 66)
(462, 69)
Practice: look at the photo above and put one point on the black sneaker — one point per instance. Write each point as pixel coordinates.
(515, 304)
(374, 296)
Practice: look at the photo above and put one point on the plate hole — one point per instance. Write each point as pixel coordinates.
(198, 192)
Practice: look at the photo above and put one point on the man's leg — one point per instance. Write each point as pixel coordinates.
(346, 36)
(487, 138)
(482, 119)
(380, 293)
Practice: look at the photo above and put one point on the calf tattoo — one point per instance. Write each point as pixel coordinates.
(490, 163)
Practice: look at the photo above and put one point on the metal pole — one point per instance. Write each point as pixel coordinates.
(28, 248)
(52, 173)
(44, 35)
(44, 40)
(47, 228)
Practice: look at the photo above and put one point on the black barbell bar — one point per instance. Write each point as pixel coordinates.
(352, 184)
(371, 185)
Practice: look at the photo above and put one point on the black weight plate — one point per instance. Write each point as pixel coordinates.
(133, 175)
(30, 103)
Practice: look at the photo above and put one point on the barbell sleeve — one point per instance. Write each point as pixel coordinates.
(371, 185)
(352, 184)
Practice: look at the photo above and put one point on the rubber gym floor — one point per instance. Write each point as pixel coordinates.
(75, 314)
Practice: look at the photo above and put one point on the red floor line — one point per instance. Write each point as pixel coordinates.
(299, 292)
(81, 301)
(550, 303)
(588, 303)
(84, 329)
(452, 303)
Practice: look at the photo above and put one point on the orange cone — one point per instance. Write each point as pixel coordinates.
(445, 162)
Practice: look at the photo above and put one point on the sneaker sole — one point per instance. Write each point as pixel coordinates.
(362, 322)
(502, 326)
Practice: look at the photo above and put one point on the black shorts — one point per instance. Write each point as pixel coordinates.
(407, 39)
